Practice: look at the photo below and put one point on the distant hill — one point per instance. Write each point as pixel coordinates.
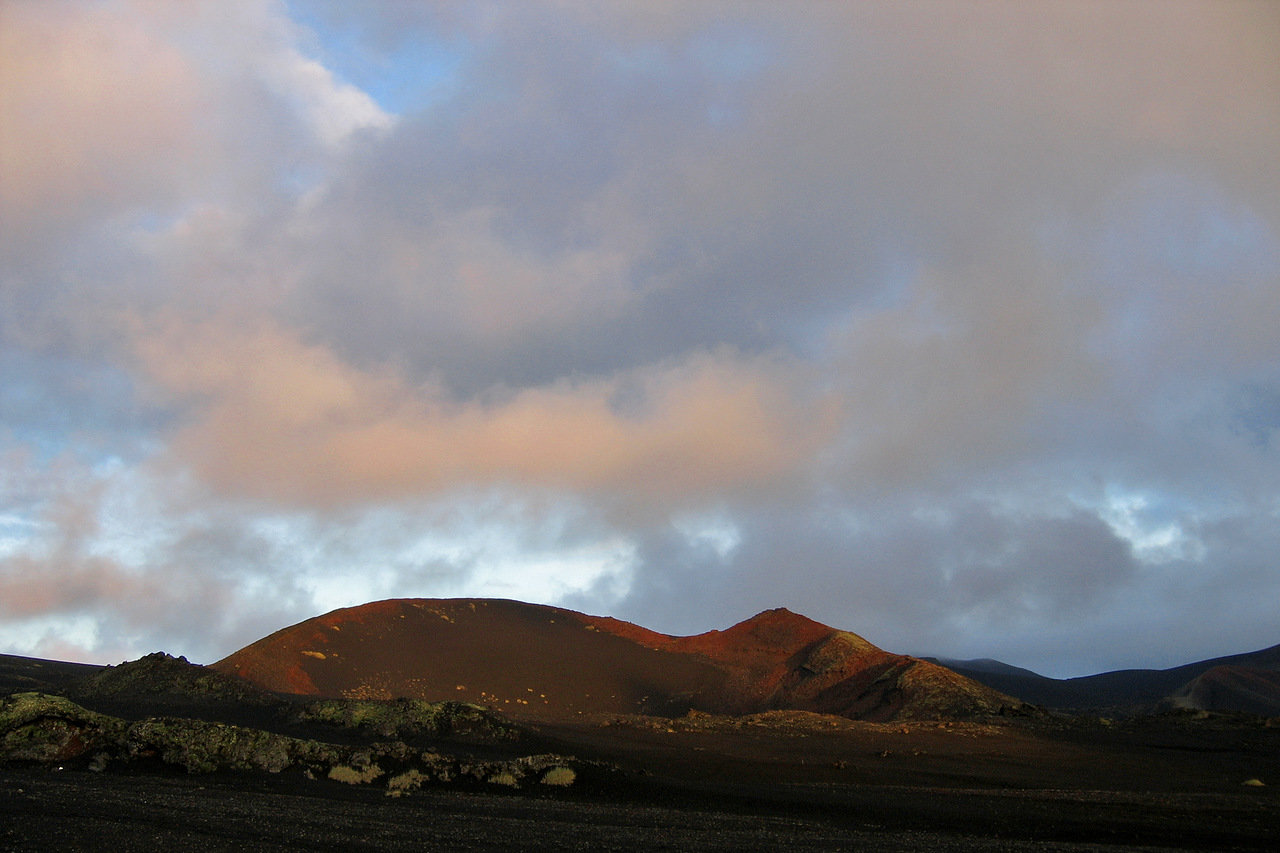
(533, 660)
(19, 673)
(161, 685)
(1248, 683)
(1247, 689)
(537, 661)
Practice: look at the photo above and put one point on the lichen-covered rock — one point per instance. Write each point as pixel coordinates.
(440, 768)
(549, 769)
(349, 775)
(39, 727)
(203, 747)
(505, 778)
(559, 777)
(402, 783)
(408, 718)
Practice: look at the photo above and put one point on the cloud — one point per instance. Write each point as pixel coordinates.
(334, 110)
(952, 325)
(905, 579)
(100, 560)
(98, 112)
(276, 418)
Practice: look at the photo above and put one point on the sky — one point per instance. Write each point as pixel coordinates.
(953, 324)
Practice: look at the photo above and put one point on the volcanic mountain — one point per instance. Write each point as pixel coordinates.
(1248, 683)
(538, 661)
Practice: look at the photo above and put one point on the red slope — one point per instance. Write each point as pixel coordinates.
(1241, 689)
(521, 658)
(544, 661)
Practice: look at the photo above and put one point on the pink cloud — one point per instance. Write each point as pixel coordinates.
(95, 109)
(271, 416)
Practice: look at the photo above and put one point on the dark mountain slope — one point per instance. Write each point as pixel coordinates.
(1143, 689)
(18, 674)
(1241, 689)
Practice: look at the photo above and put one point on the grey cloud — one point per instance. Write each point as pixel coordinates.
(947, 555)
(968, 578)
(841, 169)
(985, 269)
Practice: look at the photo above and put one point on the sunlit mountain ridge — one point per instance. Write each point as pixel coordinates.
(539, 661)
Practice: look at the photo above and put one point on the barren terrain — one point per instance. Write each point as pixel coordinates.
(715, 784)
(609, 751)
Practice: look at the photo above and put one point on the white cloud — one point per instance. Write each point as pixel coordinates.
(1154, 539)
(333, 110)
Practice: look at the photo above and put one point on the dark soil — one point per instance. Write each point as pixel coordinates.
(44, 809)
(714, 784)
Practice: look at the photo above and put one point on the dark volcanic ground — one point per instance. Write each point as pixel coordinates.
(777, 782)
(44, 810)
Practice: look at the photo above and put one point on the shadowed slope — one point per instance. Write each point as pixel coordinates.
(161, 685)
(19, 674)
(1250, 690)
(532, 660)
(1245, 682)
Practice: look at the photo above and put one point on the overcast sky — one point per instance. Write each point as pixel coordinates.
(953, 324)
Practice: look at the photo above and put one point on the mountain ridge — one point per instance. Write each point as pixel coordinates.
(1240, 683)
(537, 660)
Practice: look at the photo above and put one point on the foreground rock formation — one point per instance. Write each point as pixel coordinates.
(53, 730)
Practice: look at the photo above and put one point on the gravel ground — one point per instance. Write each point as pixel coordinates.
(76, 810)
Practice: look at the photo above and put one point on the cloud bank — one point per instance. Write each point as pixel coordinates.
(951, 324)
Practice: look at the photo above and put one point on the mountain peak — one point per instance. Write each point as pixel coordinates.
(781, 627)
(541, 661)
(760, 643)
(780, 617)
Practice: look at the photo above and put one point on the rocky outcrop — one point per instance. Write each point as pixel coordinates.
(40, 728)
(53, 729)
(162, 675)
(409, 719)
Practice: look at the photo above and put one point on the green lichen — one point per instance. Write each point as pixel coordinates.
(354, 775)
(505, 778)
(203, 747)
(407, 718)
(559, 777)
(402, 783)
(39, 727)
